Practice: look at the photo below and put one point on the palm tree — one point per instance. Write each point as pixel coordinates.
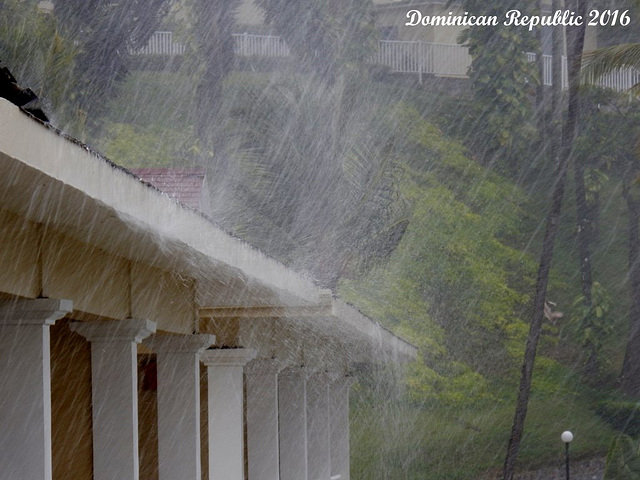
(575, 45)
(598, 63)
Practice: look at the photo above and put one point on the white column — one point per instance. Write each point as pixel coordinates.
(114, 387)
(292, 413)
(179, 404)
(339, 427)
(226, 408)
(25, 386)
(318, 450)
(262, 419)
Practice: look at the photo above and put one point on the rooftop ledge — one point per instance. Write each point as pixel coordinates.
(84, 195)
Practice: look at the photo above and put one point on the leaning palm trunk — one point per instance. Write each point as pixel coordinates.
(576, 42)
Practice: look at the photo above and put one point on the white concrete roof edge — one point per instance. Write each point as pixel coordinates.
(120, 190)
(352, 316)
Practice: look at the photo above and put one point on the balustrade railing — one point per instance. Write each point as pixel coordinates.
(422, 57)
(161, 43)
(547, 69)
(405, 57)
(620, 80)
(445, 60)
(246, 45)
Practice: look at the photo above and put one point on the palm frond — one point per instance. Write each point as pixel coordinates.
(606, 60)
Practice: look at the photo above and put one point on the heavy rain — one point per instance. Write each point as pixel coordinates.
(319, 239)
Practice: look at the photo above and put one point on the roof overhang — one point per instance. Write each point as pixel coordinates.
(86, 196)
(53, 180)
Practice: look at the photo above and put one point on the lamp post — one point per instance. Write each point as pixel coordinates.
(566, 438)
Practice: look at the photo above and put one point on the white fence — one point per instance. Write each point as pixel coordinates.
(421, 57)
(620, 80)
(547, 69)
(444, 60)
(246, 45)
(161, 43)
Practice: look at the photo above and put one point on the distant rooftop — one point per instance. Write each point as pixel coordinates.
(183, 184)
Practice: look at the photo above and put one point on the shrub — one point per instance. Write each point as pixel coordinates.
(622, 416)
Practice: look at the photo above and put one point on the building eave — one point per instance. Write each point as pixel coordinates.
(55, 181)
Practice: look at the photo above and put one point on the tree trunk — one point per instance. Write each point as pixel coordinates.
(584, 237)
(584, 231)
(630, 375)
(557, 44)
(541, 100)
(576, 43)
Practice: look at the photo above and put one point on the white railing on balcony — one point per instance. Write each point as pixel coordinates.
(547, 69)
(246, 45)
(421, 57)
(161, 43)
(620, 80)
(405, 57)
(444, 60)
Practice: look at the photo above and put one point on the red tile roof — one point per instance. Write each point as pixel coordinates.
(183, 184)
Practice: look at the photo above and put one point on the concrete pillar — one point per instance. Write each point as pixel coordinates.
(292, 421)
(226, 408)
(318, 448)
(25, 386)
(114, 387)
(179, 404)
(339, 427)
(262, 419)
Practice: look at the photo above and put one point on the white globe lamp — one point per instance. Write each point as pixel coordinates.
(566, 436)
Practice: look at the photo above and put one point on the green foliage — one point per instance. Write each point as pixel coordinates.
(601, 147)
(150, 123)
(106, 33)
(325, 35)
(212, 43)
(623, 459)
(341, 176)
(40, 58)
(593, 323)
(552, 379)
(305, 176)
(446, 442)
(134, 146)
(148, 99)
(502, 80)
(453, 280)
(594, 180)
(624, 416)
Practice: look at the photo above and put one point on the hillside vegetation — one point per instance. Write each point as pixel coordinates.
(451, 269)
